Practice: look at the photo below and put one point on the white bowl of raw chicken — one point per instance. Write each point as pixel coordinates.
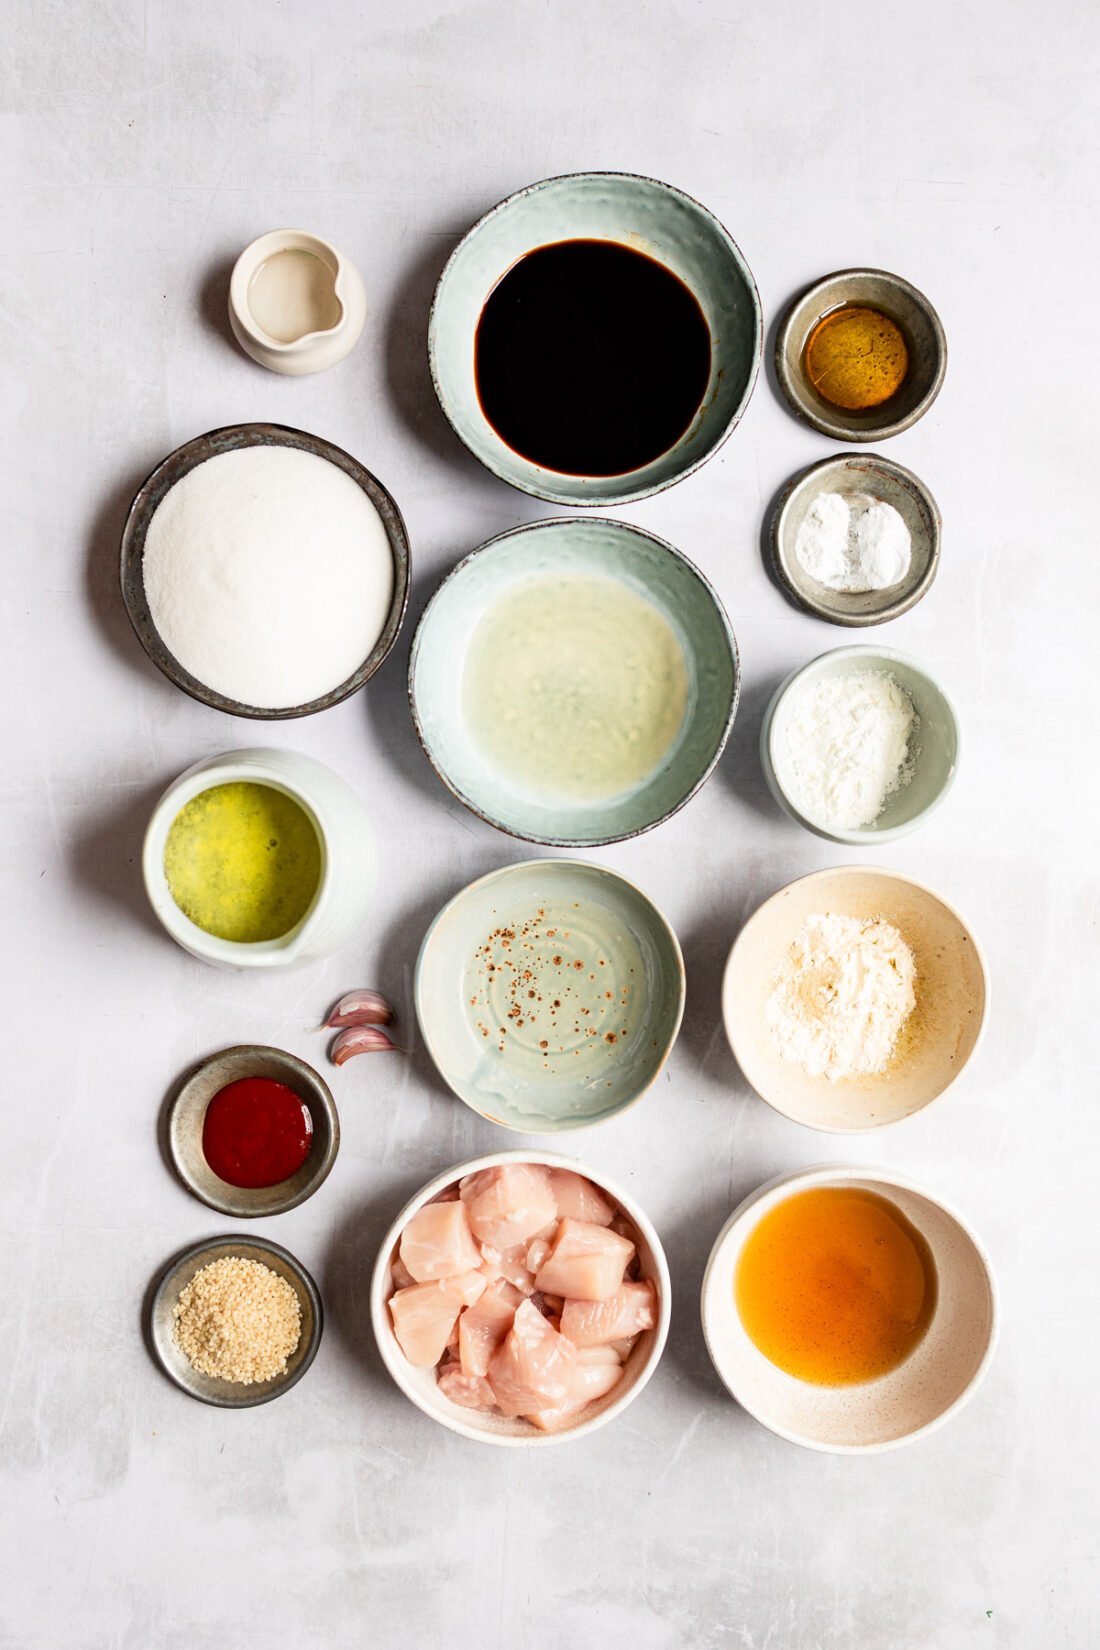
(582, 1386)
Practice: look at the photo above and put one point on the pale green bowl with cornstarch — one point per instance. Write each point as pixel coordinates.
(937, 744)
(638, 212)
(549, 994)
(642, 565)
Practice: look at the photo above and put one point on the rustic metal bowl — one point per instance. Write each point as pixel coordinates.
(188, 1112)
(904, 305)
(178, 464)
(208, 1389)
(883, 480)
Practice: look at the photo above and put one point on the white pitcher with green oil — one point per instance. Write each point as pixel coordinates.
(260, 859)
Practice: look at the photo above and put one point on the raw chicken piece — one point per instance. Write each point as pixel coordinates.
(424, 1315)
(623, 1349)
(400, 1276)
(586, 1262)
(484, 1326)
(537, 1251)
(579, 1199)
(510, 1264)
(592, 1377)
(631, 1308)
(534, 1366)
(437, 1243)
(471, 1391)
(510, 1204)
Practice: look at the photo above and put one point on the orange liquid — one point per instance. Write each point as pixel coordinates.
(856, 357)
(835, 1286)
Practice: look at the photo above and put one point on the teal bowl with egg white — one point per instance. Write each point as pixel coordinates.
(549, 994)
(649, 217)
(642, 565)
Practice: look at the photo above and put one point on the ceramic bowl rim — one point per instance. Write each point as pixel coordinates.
(224, 1240)
(893, 876)
(395, 1362)
(821, 1174)
(577, 522)
(889, 609)
(626, 495)
(503, 871)
(818, 417)
(864, 837)
(233, 1203)
(237, 438)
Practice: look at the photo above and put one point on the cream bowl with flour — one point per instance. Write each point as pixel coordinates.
(573, 682)
(939, 1038)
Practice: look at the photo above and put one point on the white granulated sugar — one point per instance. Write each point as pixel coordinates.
(269, 575)
(854, 543)
(852, 743)
(842, 996)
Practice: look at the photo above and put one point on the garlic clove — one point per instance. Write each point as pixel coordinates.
(360, 1008)
(359, 1040)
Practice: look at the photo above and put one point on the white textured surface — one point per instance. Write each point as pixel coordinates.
(143, 146)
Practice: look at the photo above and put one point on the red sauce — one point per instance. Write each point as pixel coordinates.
(256, 1133)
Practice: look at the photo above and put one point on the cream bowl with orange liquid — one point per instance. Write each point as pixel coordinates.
(848, 1310)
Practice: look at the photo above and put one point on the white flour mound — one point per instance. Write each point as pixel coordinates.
(842, 996)
(268, 575)
(852, 744)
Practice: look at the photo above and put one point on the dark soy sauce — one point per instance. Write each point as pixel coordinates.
(590, 358)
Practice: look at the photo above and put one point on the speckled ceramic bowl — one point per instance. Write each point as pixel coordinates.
(587, 546)
(908, 309)
(879, 479)
(178, 464)
(188, 1114)
(419, 1385)
(936, 745)
(650, 217)
(210, 1389)
(943, 1032)
(933, 1383)
(549, 994)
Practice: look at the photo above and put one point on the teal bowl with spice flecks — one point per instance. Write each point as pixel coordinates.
(550, 994)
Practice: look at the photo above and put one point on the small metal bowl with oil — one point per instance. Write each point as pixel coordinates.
(909, 311)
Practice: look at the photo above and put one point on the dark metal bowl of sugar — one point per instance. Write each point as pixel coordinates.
(178, 464)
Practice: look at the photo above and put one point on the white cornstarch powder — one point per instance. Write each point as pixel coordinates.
(852, 542)
(269, 575)
(842, 996)
(852, 744)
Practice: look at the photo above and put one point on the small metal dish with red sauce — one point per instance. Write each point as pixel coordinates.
(253, 1131)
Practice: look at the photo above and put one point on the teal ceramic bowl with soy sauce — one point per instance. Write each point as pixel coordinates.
(595, 338)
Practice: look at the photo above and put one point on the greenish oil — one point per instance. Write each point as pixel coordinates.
(243, 862)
